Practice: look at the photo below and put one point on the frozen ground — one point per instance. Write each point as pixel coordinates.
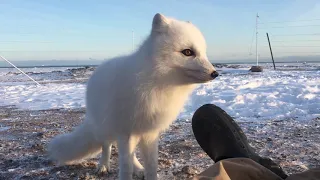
(24, 136)
(278, 110)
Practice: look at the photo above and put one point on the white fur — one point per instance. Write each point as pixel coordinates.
(131, 99)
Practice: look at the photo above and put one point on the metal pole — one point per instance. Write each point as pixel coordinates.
(274, 66)
(257, 56)
(132, 40)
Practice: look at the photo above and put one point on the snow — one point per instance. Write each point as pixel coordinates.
(47, 96)
(268, 95)
(246, 96)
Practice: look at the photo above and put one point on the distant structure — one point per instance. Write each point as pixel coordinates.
(132, 41)
(256, 68)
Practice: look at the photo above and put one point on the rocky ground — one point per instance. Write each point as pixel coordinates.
(24, 136)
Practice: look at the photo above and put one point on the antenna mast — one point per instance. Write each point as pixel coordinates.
(132, 40)
(257, 55)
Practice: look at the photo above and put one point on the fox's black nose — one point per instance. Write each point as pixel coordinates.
(214, 74)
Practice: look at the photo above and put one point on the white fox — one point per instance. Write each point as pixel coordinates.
(131, 99)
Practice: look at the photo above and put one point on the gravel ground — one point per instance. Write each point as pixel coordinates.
(24, 136)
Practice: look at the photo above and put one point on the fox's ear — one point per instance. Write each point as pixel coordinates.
(159, 23)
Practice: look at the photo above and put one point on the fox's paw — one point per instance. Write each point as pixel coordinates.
(102, 169)
(139, 172)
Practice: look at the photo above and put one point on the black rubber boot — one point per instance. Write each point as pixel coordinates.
(221, 138)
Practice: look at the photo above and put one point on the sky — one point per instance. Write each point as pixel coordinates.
(100, 29)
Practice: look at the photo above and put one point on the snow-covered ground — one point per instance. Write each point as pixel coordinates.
(279, 111)
(262, 96)
(290, 93)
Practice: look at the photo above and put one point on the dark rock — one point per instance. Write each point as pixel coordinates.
(256, 69)
(218, 65)
(234, 66)
(189, 170)
(40, 134)
(25, 177)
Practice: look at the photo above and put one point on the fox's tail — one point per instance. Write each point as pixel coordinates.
(75, 146)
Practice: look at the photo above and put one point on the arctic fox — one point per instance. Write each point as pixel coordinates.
(131, 99)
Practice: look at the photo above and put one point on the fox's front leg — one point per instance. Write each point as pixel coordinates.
(149, 149)
(104, 163)
(126, 146)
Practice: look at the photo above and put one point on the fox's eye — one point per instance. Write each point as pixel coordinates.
(187, 52)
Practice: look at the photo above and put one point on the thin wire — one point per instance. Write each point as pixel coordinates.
(300, 26)
(295, 41)
(27, 42)
(48, 51)
(292, 46)
(291, 21)
(20, 70)
(301, 52)
(312, 34)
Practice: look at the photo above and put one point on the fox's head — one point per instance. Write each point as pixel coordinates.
(180, 48)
